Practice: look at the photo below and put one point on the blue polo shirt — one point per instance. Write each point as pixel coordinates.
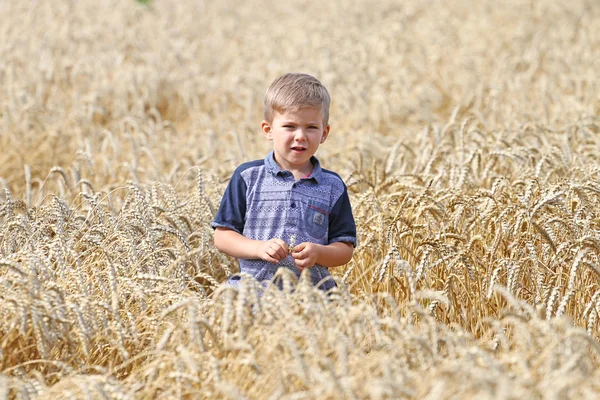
(263, 201)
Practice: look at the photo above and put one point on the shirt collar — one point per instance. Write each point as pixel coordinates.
(275, 169)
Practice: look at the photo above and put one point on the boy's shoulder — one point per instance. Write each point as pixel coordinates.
(243, 169)
(331, 174)
(332, 177)
(250, 164)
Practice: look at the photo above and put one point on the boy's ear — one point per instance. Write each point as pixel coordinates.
(325, 134)
(265, 126)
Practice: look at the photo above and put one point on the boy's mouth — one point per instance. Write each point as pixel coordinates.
(298, 148)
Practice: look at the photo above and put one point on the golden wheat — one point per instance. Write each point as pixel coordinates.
(468, 145)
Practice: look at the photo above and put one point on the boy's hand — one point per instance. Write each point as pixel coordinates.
(273, 250)
(305, 255)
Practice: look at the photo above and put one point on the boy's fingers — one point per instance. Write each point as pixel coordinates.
(275, 252)
(299, 247)
(300, 251)
(281, 244)
(279, 248)
(298, 255)
(282, 251)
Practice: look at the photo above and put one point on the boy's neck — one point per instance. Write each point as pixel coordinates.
(303, 171)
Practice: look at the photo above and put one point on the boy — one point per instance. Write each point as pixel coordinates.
(286, 211)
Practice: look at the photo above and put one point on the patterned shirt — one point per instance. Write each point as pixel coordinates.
(263, 201)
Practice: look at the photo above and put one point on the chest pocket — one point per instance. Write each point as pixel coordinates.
(316, 219)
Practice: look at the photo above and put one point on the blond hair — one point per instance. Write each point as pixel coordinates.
(293, 91)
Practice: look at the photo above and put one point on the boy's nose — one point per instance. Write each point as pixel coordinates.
(300, 134)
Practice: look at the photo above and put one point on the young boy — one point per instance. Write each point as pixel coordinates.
(286, 211)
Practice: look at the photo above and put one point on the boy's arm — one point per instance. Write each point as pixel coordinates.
(237, 245)
(307, 254)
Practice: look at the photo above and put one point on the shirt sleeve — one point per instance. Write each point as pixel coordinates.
(341, 221)
(232, 211)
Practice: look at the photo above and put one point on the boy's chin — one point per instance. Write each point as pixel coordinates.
(300, 153)
(300, 159)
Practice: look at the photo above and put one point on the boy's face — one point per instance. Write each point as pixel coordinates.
(296, 136)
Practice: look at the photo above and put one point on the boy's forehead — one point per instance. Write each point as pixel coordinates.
(303, 112)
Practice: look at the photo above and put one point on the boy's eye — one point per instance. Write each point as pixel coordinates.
(312, 127)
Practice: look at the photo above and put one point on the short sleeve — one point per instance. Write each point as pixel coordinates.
(341, 221)
(232, 211)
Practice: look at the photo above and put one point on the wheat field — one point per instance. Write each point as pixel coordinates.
(468, 135)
